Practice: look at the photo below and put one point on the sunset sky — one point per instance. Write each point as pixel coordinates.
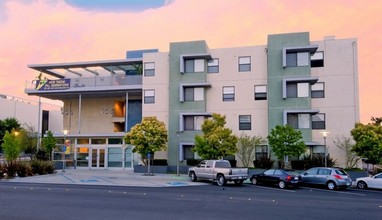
(58, 31)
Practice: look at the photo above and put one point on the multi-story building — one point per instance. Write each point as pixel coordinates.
(310, 85)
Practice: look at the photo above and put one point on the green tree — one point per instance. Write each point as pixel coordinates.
(368, 141)
(11, 146)
(148, 137)
(216, 141)
(28, 137)
(48, 143)
(8, 124)
(286, 141)
(346, 145)
(246, 148)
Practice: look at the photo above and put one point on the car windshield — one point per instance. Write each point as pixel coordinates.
(341, 172)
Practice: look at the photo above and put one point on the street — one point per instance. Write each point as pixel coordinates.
(54, 201)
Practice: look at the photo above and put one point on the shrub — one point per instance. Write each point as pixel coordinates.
(317, 160)
(263, 162)
(41, 167)
(24, 169)
(160, 162)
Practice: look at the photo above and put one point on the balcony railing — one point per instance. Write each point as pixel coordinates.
(98, 81)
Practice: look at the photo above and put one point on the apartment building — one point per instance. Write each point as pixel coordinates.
(310, 85)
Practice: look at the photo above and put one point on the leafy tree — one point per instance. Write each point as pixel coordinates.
(11, 146)
(8, 124)
(28, 137)
(49, 143)
(246, 148)
(148, 137)
(286, 141)
(216, 141)
(368, 140)
(346, 145)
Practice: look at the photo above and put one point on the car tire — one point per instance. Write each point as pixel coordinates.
(238, 182)
(282, 184)
(220, 180)
(254, 181)
(193, 177)
(331, 185)
(362, 185)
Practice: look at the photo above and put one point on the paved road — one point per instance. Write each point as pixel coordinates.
(55, 201)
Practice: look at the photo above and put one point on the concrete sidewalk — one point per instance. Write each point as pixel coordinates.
(108, 177)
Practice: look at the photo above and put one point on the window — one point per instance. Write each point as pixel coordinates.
(188, 154)
(318, 121)
(193, 122)
(298, 121)
(228, 93)
(194, 65)
(318, 90)
(269, 172)
(149, 69)
(297, 90)
(193, 94)
(149, 96)
(244, 64)
(261, 152)
(261, 92)
(317, 59)
(213, 66)
(297, 59)
(244, 122)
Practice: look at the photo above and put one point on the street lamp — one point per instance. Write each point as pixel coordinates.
(63, 153)
(177, 152)
(324, 135)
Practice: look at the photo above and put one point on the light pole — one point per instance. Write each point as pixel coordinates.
(177, 153)
(324, 135)
(63, 151)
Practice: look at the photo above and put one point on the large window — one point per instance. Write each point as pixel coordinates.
(149, 96)
(228, 93)
(149, 69)
(261, 92)
(193, 122)
(294, 59)
(193, 65)
(188, 154)
(317, 59)
(244, 64)
(318, 90)
(213, 66)
(318, 121)
(297, 90)
(298, 121)
(193, 94)
(244, 122)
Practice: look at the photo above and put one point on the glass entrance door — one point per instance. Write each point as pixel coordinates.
(98, 158)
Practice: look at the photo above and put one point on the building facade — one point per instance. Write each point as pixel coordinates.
(310, 85)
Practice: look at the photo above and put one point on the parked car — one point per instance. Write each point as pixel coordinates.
(219, 171)
(281, 178)
(330, 177)
(370, 182)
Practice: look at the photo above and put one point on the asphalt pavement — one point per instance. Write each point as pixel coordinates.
(108, 177)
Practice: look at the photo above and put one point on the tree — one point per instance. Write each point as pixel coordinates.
(148, 137)
(216, 141)
(286, 141)
(246, 148)
(368, 142)
(8, 124)
(11, 146)
(346, 145)
(49, 143)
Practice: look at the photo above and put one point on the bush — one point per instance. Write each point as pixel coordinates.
(263, 163)
(24, 169)
(193, 162)
(317, 160)
(41, 167)
(159, 162)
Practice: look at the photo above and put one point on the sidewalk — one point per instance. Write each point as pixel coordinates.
(108, 177)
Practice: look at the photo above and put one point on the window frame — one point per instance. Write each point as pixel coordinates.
(244, 124)
(228, 96)
(148, 98)
(211, 66)
(260, 95)
(317, 62)
(149, 71)
(317, 93)
(318, 124)
(244, 66)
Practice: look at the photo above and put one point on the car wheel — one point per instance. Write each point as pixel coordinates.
(254, 181)
(221, 180)
(238, 182)
(331, 185)
(193, 177)
(282, 184)
(362, 185)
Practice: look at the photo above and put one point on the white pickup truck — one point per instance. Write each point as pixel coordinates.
(219, 171)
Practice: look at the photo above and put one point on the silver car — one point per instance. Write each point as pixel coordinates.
(330, 177)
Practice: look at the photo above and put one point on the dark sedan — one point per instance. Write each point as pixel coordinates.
(281, 178)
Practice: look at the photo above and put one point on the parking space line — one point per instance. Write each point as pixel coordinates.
(271, 188)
